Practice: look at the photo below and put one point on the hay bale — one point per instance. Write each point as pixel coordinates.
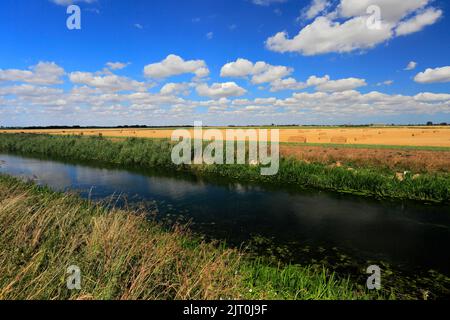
(339, 140)
(299, 139)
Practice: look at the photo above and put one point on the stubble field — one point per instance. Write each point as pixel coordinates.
(386, 136)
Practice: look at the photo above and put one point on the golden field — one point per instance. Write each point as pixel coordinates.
(389, 136)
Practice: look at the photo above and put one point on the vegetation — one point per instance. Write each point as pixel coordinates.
(157, 153)
(123, 255)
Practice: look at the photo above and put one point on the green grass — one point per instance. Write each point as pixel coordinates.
(123, 255)
(144, 153)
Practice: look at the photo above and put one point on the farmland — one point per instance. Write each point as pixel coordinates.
(368, 136)
(419, 149)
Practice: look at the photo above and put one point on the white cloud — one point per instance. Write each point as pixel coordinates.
(267, 2)
(220, 90)
(315, 8)
(138, 26)
(287, 84)
(69, 2)
(260, 72)
(411, 66)
(116, 65)
(175, 88)
(29, 90)
(341, 85)
(391, 10)
(111, 82)
(210, 35)
(432, 97)
(324, 84)
(325, 36)
(347, 28)
(317, 81)
(434, 75)
(44, 73)
(239, 68)
(418, 22)
(385, 83)
(174, 65)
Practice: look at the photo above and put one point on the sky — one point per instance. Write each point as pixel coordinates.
(224, 62)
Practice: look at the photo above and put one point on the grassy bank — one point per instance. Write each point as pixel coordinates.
(122, 255)
(157, 153)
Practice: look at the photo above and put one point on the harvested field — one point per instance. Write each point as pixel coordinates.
(413, 160)
(389, 136)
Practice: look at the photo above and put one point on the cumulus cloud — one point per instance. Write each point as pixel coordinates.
(44, 73)
(314, 9)
(287, 84)
(220, 90)
(116, 65)
(324, 36)
(69, 2)
(267, 2)
(411, 66)
(385, 83)
(28, 90)
(260, 71)
(348, 27)
(432, 97)
(174, 65)
(418, 22)
(434, 75)
(391, 10)
(324, 84)
(175, 88)
(107, 83)
(341, 85)
(124, 100)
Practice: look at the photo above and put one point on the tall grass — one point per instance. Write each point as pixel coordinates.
(157, 153)
(123, 255)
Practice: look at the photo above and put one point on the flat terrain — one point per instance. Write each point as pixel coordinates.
(419, 149)
(386, 136)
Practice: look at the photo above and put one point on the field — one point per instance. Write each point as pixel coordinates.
(371, 136)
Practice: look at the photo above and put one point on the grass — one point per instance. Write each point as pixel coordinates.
(433, 187)
(123, 255)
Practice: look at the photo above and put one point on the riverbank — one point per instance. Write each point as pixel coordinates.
(366, 181)
(123, 255)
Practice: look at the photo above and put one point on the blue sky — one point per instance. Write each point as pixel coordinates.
(289, 61)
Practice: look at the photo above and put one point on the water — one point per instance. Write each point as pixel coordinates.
(411, 235)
